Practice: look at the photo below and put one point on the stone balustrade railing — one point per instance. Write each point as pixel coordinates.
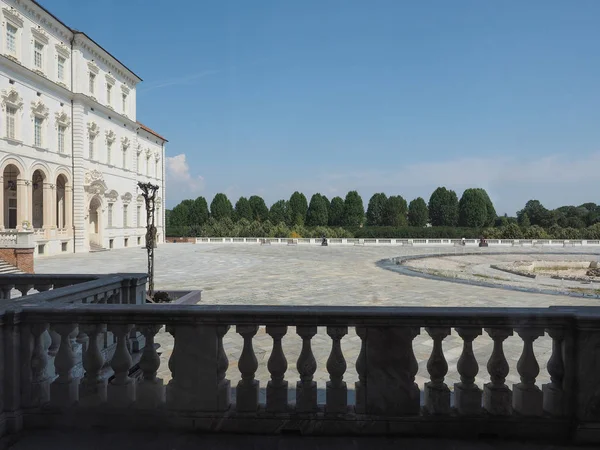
(398, 241)
(387, 399)
(14, 238)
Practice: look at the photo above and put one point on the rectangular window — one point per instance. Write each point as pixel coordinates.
(109, 214)
(38, 55)
(108, 152)
(37, 131)
(124, 103)
(124, 157)
(61, 68)
(108, 93)
(148, 166)
(62, 131)
(137, 163)
(156, 170)
(138, 216)
(11, 39)
(91, 148)
(124, 216)
(11, 122)
(92, 82)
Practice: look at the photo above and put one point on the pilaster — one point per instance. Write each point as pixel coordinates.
(78, 205)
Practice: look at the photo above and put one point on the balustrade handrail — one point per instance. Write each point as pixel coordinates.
(307, 315)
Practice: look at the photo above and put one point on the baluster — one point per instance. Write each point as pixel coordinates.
(247, 388)
(6, 290)
(277, 387)
(92, 390)
(336, 390)
(496, 394)
(121, 390)
(467, 395)
(55, 342)
(223, 384)
(554, 394)
(306, 388)
(24, 288)
(151, 391)
(437, 393)
(40, 382)
(360, 387)
(527, 397)
(64, 390)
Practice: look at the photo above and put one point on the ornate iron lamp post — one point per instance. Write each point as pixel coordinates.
(149, 192)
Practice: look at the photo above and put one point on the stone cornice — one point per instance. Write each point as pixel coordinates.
(49, 23)
(13, 16)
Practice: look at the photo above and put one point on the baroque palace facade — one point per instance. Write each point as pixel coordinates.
(71, 149)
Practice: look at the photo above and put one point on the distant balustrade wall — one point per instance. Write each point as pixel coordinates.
(384, 399)
(398, 241)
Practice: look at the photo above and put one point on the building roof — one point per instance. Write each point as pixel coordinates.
(74, 31)
(151, 131)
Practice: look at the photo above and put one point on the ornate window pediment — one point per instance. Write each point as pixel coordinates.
(13, 15)
(94, 183)
(138, 150)
(12, 98)
(158, 200)
(110, 79)
(125, 142)
(110, 136)
(40, 35)
(157, 156)
(140, 198)
(39, 109)
(148, 153)
(92, 176)
(112, 195)
(62, 118)
(63, 51)
(93, 128)
(93, 67)
(125, 89)
(126, 198)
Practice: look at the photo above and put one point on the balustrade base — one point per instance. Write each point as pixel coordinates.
(554, 400)
(527, 400)
(247, 395)
(40, 393)
(337, 398)
(92, 393)
(121, 395)
(437, 399)
(361, 398)
(64, 395)
(306, 396)
(497, 400)
(150, 394)
(223, 395)
(277, 397)
(467, 399)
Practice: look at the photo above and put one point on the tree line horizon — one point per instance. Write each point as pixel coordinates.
(474, 210)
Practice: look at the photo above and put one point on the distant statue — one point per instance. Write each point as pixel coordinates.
(483, 242)
(463, 242)
(324, 241)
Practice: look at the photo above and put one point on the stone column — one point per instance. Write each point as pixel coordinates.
(24, 210)
(49, 212)
(2, 203)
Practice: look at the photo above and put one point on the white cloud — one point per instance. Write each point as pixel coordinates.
(181, 183)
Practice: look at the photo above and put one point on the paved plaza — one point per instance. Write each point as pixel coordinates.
(245, 274)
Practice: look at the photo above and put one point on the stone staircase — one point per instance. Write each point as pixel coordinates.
(7, 269)
(97, 248)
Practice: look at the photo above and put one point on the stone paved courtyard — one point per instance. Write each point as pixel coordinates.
(313, 275)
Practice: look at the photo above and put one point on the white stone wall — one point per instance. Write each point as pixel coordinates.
(97, 185)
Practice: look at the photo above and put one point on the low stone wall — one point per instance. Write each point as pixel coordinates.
(17, 249)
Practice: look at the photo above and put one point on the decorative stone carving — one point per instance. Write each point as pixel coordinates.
(125, 142)
(112, 195)
(148, 153)
(110, 135)
(138, 149)
(40, 35)
(93, 67)
(93, 128)
(140, 198)
(125, 89)
(11, 97)
(62, 118)
(157, 156)
(110, 79)
(39, 109)
(63, 50)
(94, 175)
(13, 16)
(126, 198)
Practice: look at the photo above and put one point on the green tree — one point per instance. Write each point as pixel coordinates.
(336, 212)
(443, 208)
(375, 209)
(394, 212)
(198, 213)
(299, 207)
(318, 211)
(354, 210)
(472, 209)
(491, 211)
(260, 211)
(180, 216)
(418, 215)
(524, 220)
(220, 207)
(243, 210)
(280, 213)
(538, 215)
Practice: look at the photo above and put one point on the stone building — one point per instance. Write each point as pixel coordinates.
(71, 148)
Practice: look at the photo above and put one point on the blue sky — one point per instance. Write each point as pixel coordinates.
(270, 96)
